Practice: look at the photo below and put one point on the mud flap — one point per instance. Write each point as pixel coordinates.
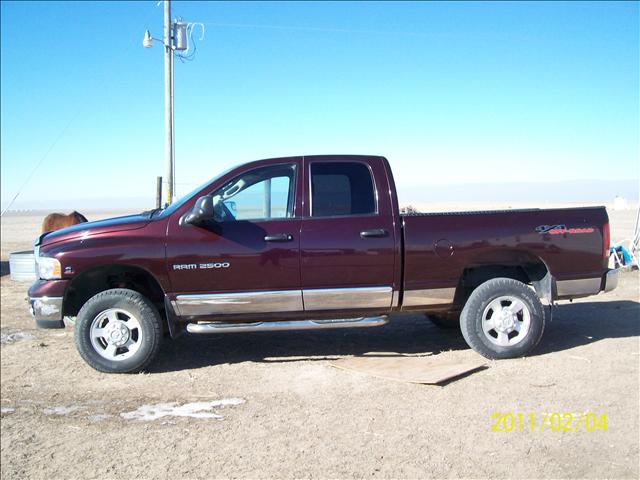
(176, 328)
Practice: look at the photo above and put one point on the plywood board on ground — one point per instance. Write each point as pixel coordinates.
(427, 369)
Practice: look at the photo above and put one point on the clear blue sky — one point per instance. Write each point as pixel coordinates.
(449, 92)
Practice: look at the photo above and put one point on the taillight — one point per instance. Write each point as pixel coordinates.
(606, 240)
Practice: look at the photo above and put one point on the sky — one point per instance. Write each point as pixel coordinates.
(487, 93)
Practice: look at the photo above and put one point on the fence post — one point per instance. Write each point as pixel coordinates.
(158, 192)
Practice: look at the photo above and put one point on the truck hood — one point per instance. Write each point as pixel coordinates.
(117, 224)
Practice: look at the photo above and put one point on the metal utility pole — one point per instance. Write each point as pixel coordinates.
(176, 39)
(266, 210)
(168, 102)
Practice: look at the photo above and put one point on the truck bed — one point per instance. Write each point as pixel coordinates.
(440, 247)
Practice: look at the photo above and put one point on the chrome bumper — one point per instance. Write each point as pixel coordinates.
(47, 311)
(585, 287)
(611, 280)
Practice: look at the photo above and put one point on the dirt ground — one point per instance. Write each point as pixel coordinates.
(271, 405)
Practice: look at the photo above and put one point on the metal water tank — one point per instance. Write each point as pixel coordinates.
(22, 266)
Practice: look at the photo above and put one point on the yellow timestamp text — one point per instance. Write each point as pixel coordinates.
(555, 422)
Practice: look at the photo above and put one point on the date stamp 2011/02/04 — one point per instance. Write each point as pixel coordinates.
(555, 422)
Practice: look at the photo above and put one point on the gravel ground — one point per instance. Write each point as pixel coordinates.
(270, 404)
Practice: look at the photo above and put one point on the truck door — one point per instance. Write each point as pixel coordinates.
(247, 260)
(347, 241)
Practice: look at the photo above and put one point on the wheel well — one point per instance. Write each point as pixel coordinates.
(529, 269)
(102, 278)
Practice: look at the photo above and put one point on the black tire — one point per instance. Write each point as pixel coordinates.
(471, 320)
(149, 334)
(445, 320)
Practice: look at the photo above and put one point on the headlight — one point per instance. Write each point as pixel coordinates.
(49, 268)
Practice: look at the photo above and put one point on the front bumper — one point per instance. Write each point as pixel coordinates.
(610, 280)
(47, 311)
(46, 302)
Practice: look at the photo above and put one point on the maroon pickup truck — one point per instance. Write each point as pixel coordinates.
(307, 243)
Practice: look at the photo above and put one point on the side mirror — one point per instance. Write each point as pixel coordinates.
(202, 210)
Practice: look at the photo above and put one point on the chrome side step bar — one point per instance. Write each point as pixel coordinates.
(286, 325)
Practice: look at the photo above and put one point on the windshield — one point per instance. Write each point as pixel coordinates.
(179, 203)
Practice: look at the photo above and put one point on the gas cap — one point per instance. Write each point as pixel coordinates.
(443, 248)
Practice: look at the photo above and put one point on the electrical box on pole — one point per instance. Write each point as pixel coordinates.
(180, 40)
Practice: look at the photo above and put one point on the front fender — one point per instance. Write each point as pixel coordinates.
(143, 248)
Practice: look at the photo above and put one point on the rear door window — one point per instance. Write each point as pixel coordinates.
(341, 189)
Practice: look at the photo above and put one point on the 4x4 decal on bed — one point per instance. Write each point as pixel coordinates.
(561, 229)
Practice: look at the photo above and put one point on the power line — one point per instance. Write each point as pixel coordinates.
(80, 110)
(42, 159)
(319, 29)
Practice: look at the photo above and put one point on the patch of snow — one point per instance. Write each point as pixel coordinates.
(8, 338)
(195, 410)
(61, 410)
(99, 417)
(7, 410)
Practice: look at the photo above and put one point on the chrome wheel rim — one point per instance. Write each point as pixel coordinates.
(116, 334)
(506, 321)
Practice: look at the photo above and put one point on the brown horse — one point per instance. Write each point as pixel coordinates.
(56, 221)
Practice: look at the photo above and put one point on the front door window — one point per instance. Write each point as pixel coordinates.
(261, 194)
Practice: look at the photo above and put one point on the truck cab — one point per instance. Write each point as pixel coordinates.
(307, 235)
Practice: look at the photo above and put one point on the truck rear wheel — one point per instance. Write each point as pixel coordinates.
(118, 331)
(502, 318)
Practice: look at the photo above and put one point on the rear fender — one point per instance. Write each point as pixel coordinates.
(520, 265)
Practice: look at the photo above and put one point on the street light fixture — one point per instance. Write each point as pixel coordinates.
(147, 41)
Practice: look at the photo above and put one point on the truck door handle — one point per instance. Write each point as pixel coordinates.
(376, 232)
(279, 237)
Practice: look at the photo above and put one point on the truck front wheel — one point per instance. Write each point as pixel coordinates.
(502, 318)
(118, 331)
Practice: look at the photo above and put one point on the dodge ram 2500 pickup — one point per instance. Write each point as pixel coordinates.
(308, 243)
